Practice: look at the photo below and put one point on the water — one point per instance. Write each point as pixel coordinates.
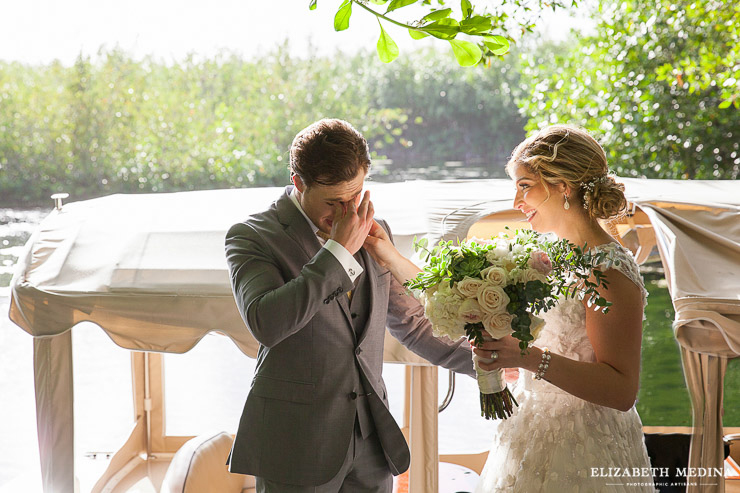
(195, 404)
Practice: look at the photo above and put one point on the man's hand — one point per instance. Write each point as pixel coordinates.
(352, 223)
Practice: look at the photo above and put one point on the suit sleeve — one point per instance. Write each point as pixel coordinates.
(273, 307)
(407, 323)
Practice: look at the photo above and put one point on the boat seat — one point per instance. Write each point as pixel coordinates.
(200, 467)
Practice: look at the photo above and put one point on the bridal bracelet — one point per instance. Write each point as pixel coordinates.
(544, 364)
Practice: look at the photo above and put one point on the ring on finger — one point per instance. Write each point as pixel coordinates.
(494, 355)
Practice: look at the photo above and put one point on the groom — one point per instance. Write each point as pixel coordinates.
(316, 418)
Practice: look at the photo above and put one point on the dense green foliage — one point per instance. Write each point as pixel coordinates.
(619, 82)
(651, 83)
(117, 124)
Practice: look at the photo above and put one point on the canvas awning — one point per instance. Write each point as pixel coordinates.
(150, 271)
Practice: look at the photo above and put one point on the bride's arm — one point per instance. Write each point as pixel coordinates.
(379, 245)
(616, 337)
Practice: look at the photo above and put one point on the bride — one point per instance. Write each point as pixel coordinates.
(576, 428)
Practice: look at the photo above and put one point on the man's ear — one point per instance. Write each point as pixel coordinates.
(298, 183)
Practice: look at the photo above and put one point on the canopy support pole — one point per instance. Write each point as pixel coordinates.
(52, 366)
(704, 375)
(424, 470)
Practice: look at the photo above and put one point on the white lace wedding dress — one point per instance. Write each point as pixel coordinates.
(554, 439)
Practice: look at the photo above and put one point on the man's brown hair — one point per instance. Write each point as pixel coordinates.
(329, 152)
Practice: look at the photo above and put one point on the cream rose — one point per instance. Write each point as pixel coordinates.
(495, 275)
(470, 311)
(469, 286)
(536, 325)
(492, 298)
(527, 275)
(497, 324)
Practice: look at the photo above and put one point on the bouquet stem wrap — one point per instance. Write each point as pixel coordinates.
(496, 401)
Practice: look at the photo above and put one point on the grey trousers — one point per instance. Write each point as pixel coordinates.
(364, 470)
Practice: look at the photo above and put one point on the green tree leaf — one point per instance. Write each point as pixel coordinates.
(387, 48)
(443, 29)
(466, 8)
(341, 19)
(417, 34)
(467, 53)
(437, 15)
(397, 4)
(312, 5)
(476, 25)
(497, 44)
(725, 104)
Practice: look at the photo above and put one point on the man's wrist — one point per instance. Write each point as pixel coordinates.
(348, 262)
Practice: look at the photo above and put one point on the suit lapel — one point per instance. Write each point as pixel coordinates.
(371, 271)
(296, 226)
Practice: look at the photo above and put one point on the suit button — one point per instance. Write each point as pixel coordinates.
(354, 315)
(353, 395)
(326, 301)
(358, 351)
(339, 289)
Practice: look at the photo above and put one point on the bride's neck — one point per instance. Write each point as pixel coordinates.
(584, 231)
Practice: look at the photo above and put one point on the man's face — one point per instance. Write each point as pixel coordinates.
(319, 201)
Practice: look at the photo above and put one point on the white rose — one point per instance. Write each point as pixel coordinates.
(531, 275)
(470, 311)
(497, 324)
(469, 286)
(495, 275)
(536, 325)
(492, 298)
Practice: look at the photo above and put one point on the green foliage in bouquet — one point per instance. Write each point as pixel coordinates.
(574, 266)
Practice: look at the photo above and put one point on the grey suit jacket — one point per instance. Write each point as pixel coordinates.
(300, 412)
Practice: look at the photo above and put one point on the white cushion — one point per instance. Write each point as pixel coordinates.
(200, 467)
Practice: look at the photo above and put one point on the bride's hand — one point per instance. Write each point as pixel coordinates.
(380, 247)
(384, 252)
(509, 355)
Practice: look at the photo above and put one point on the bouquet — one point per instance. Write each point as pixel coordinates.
(488, 289)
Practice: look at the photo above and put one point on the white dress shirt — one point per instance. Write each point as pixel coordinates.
(350, 265)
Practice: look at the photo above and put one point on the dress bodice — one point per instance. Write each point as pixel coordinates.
(564, 332)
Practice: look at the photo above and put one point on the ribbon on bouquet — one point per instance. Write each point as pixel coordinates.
(496, 401)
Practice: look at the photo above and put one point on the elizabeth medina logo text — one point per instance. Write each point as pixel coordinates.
(655, 472)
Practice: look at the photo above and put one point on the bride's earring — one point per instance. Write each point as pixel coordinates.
(566, 205)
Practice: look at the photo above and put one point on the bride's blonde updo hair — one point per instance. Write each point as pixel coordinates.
(568, 154)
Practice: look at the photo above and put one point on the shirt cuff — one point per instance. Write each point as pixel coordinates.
(350, 265)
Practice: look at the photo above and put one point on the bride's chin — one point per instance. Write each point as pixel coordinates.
(540, 228)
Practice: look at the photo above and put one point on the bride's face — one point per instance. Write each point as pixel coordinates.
(539, 201)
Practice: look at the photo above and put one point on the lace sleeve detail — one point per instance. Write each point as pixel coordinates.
(623, 261)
